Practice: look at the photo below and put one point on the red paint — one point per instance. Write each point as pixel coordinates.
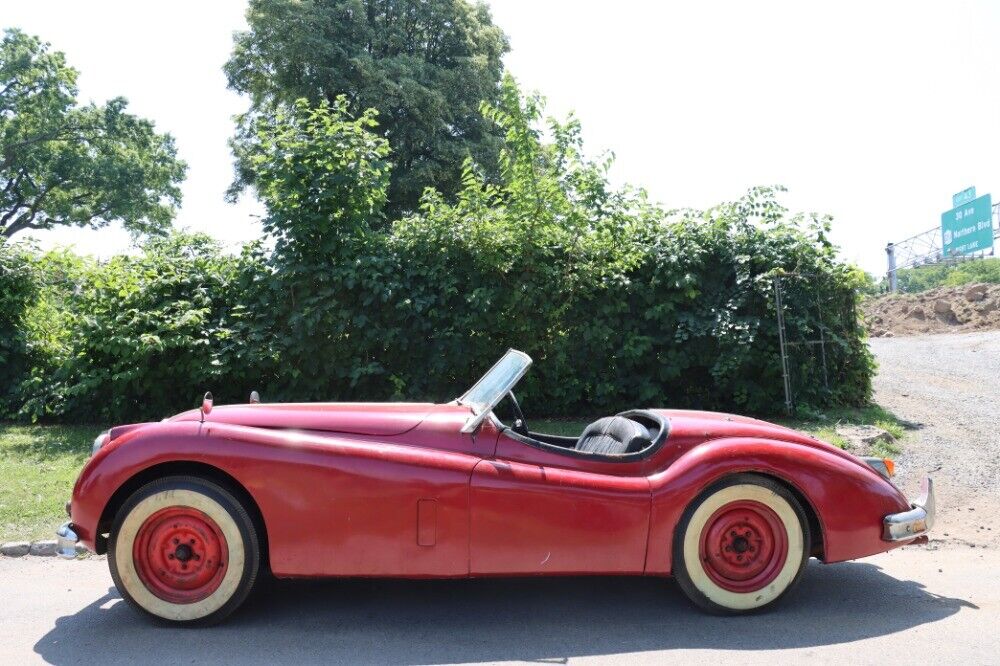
(743, 546)
(426, 522)
(532, 519)
(341, 489)
(394, 418)
(178, 554)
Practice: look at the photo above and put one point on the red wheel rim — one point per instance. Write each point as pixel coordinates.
(743, 546)
(180, 554)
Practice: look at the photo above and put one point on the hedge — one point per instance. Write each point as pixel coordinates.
(619, 302)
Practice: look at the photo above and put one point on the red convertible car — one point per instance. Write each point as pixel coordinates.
(193, 509)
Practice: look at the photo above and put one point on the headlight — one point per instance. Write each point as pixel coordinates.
(99, 441)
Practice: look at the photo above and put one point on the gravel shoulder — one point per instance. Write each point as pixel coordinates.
(948, 386)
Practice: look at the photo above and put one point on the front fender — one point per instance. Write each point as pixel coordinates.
(130, 450)
(849, 499)
(330, 504)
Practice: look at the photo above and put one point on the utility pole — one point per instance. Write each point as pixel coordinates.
(890, 252)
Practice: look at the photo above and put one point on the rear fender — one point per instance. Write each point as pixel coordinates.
(848, 498)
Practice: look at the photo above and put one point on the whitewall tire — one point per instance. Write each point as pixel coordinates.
(741, 545)
(184, 550)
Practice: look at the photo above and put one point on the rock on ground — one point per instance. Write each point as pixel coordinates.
(862, 438)
(976, 292)
(15, 548)
(943, 310)
(43, 548)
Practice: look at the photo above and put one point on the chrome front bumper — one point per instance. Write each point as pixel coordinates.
(66, 540)
(915, 522)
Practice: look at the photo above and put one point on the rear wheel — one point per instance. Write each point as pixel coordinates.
(183, 549)
(741, 545)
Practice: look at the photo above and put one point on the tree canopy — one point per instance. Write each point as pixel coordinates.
(320, 173)
(675, 308)
(62, 163)
(550, 257)
(425, 66)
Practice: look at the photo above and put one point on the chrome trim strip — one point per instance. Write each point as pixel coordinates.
(915, 522)
(99, 442)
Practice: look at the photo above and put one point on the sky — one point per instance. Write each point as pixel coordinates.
(873, 112)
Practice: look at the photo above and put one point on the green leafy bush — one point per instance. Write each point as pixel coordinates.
(305, 319)
(18, 289)
(913, 280)
(49, 318)
(620, 303)
(136, 337)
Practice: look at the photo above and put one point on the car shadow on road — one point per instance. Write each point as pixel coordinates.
(533, 619)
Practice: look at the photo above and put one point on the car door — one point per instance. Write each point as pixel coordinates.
(533, 511)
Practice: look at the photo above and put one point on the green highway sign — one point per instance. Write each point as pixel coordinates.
(963, 197)
(968, 228)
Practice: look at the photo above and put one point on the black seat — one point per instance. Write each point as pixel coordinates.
(614, 435)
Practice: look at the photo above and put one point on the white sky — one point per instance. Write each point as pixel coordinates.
(875, 112)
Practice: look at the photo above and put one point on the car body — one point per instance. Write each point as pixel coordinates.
(447, 490)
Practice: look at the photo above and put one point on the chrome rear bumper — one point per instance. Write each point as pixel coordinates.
(915, 522)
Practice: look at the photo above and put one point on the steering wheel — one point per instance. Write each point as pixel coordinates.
(520, 425)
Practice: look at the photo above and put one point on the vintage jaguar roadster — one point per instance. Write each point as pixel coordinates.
(193, 509)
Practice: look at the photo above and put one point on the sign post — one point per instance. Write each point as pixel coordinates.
(890, 252)
(967, 228)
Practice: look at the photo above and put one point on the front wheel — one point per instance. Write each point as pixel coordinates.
(184, 549)
(741, 545)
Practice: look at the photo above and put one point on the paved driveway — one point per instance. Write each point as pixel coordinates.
(930, 605)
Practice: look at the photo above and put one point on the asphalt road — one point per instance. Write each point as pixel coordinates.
(924, 604)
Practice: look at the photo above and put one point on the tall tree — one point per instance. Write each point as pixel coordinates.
(66, 164)
(425, 65)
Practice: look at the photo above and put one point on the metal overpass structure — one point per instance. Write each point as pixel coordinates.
(925, 249)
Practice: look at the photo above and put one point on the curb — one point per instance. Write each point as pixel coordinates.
(40, 548)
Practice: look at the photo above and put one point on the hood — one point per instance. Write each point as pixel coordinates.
(356, 418)
(689, 428)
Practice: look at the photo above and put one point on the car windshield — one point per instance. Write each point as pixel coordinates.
(494, 385)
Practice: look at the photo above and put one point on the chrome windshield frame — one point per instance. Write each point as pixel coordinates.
(481, 410)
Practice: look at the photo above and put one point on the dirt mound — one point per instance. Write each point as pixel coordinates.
(970, 307)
